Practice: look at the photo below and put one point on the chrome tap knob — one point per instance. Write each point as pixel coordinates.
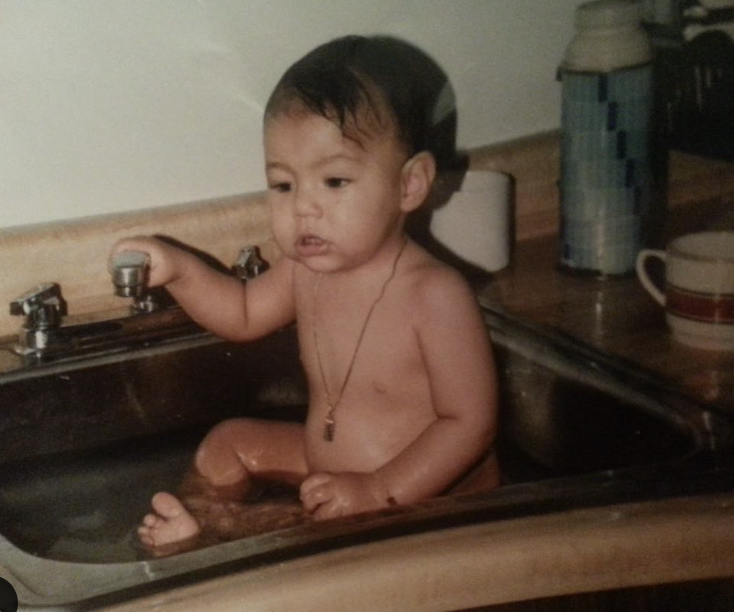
(249, 264)
(43, 307)
(130, 274)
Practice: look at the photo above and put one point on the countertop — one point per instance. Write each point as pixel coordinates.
(615, 315)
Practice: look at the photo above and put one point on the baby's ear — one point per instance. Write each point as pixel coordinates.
(417, 178)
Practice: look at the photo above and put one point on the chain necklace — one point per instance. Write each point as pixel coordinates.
(331, 402)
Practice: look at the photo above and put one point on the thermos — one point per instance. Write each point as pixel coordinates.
(607, 133)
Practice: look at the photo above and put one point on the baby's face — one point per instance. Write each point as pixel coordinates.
(335, 201)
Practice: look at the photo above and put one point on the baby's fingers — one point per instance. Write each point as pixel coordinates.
(123, 253)
(315, 480)
(132, 243)
(315, 491)
(328, 510)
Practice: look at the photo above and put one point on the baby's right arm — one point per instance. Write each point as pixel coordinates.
(219, 302)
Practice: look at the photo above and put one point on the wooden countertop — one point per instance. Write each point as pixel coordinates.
(614, 315)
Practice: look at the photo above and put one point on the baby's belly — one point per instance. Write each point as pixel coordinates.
(365, 436)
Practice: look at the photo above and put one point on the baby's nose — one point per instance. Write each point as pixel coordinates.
(306, 204)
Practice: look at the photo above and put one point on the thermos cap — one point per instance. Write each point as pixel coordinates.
(609, 37)
(608, 14)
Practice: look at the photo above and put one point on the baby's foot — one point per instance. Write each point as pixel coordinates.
(170, 529)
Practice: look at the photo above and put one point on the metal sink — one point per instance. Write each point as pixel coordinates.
(86, 444)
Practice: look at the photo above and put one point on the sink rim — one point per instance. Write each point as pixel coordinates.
(107, 582)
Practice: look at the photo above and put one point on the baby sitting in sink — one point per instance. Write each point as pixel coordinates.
(403, 402)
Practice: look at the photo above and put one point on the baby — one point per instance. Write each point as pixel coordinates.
(402, 386)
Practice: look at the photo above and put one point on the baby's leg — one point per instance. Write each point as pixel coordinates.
(238, 450)
(230, 456)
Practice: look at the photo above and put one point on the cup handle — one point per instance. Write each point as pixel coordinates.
(644, 277)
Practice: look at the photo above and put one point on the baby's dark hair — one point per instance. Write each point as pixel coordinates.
(340, 79)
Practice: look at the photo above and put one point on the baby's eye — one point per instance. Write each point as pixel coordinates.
(281, 187)
(336, 182)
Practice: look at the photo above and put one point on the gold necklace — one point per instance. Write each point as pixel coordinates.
(330, 419)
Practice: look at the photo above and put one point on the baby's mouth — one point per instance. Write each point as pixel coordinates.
(311, 240)
(310, 244)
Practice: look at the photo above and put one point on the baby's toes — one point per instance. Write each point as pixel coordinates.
(145, 535)
(150, 521)
(167, 506)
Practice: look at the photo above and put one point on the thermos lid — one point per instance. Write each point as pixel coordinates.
(609, 37)
(608, 14)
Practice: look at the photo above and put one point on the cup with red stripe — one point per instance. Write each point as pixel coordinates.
(697, 290)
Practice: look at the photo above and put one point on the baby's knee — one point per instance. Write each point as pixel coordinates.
(217, 457)
(227, 433)
(241, 448)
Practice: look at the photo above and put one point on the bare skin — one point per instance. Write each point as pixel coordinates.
(419, 409)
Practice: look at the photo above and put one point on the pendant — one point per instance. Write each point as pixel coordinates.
(329, 426)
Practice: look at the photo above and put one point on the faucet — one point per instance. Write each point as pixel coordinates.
(130, 274)
(154, 316)
(43, 308)
(249, 264)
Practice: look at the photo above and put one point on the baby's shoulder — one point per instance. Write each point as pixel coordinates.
(433, 283)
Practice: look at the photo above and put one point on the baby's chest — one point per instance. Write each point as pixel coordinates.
(389, 356)
(382, 353)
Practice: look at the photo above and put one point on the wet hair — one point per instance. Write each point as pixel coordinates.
(352, 77)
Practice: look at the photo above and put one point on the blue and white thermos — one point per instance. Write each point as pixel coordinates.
(606, 166)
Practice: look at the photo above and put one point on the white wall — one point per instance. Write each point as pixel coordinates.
(112, 105)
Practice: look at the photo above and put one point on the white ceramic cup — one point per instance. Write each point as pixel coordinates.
(699, 288)
(475, 223)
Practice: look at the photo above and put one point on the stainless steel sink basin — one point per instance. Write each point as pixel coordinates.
(85, 445)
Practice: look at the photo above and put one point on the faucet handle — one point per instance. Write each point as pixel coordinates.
(249, 263)
(130, 273)
(43, 306)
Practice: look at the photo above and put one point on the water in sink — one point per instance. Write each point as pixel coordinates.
(86, 506)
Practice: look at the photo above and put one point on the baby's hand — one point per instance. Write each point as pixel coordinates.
(164, 258)
(330, 495)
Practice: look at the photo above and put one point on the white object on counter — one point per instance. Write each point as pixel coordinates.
(475, 223)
